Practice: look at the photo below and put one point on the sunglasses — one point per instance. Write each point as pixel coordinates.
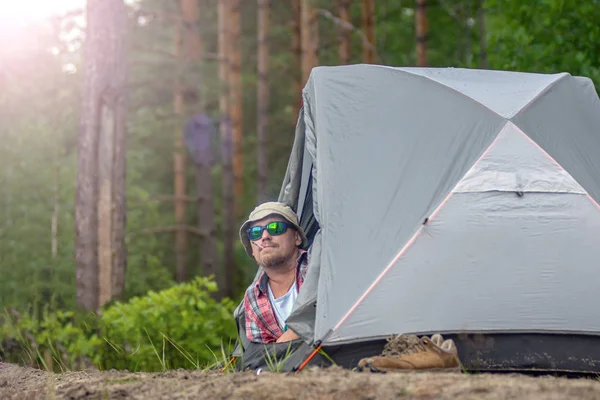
(274, 229)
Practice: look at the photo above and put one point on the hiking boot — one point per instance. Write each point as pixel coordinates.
(398, 344)
(447, 345)
(427, 354)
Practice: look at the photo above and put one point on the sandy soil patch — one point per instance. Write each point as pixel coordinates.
(331, 383)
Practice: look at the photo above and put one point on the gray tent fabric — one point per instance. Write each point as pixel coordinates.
(302, 318)
(565, 122)
(448, 200)
(514, 280)
(289, 193)
(515, 163)
(505, 93)
(382, 167)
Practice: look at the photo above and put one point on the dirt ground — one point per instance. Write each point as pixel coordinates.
(332, 383)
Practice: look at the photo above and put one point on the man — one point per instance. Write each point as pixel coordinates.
(273, 237)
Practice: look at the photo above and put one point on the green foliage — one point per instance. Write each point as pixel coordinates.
(60, 338)
(452, 39)
(546, 36)
(180, 327)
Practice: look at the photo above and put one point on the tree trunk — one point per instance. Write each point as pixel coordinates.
(368, 23)
(314, 36)
(203, 163)
(344, 49)
(119, 203)
(421, 22)
(55, 211)
(206, 221)
(460, 29)
(181, 239)
(263, 98)
(309, 42)
(297, 54)
(105, 174)
(111, 163)
(226, 149)
(468, 34)
(86, 212)
(236, 103)
(102, 122)
(47, 271)
(305, 43)
(482, 39)
(192, 41)
(8, 197)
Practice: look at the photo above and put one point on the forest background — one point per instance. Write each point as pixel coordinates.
(136, 135)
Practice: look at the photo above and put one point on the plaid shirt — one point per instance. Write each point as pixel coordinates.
(261, 324)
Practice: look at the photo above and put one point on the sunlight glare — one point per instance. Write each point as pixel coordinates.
(17, 14)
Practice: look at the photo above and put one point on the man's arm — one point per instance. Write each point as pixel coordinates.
(288, 336)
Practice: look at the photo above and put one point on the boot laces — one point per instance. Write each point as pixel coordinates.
(417, 347)
(400, 344)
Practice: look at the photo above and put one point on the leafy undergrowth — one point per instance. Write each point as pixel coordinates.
(180, 327)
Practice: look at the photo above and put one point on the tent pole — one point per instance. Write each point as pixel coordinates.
(229, 363)
(312, 355)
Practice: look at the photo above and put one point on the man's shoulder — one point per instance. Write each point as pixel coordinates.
(252, 289)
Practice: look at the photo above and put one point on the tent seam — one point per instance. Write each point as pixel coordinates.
(412, 239)
(545, 90)
(522, 191)
(587, 194)
(544, 331)
(446, 86)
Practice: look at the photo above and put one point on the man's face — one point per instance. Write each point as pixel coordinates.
(277, 250)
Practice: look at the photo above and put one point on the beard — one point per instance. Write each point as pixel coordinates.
(276, 260)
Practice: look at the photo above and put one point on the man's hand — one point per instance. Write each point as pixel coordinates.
(287, 336)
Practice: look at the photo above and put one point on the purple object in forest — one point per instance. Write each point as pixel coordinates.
(199, 134)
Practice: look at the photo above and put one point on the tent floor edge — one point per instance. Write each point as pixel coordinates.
(570, 355)
(277, 357)
(308, 359)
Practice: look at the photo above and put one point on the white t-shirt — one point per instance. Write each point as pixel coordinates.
(283, 305)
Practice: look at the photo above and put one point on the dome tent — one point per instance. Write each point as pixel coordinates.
(453, 201)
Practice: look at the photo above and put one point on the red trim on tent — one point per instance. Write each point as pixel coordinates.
(412, 239)
(390, 265)
(555, 162)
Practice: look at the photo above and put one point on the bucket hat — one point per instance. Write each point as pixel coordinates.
(267, 209)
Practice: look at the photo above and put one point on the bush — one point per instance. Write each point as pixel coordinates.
(62, 339)
(180, 327)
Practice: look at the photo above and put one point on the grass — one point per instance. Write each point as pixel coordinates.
(46, 356)
(273, 363)
(50, 356)
(161, 360)
(167, 352)
(29, 348)
(223, 361)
